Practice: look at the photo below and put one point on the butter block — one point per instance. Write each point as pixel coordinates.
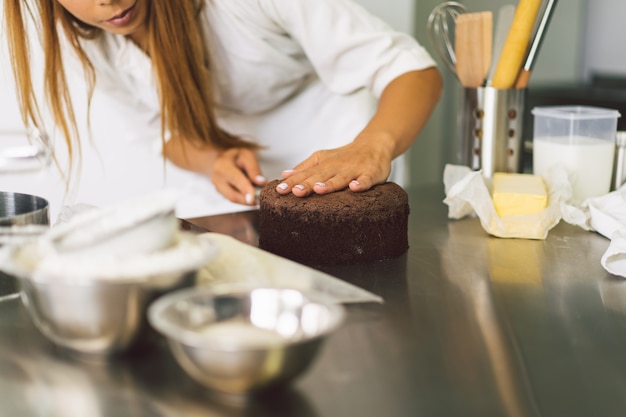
(515, 194)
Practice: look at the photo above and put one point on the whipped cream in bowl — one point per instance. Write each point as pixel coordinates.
(87, 282)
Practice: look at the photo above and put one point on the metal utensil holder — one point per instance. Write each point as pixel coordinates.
(491, 126)
(619, 163)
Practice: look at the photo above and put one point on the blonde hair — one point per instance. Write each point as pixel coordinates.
(175, 45)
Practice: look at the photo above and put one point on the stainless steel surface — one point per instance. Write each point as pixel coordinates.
(491, 130)
(471, 326)
(237, 340)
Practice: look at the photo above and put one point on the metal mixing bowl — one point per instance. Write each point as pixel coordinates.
(22, 216)
(87, 282)
(92, 318)
(22, 209)
(239, 340)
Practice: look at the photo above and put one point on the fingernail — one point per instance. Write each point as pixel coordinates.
(249, 198)
(299, 187)
(283, 186)
(355, 182)
(287, 171)
(320, 184)
(260, 178)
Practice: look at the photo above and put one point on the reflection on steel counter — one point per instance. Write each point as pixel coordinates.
(242, 226)
(460, 334)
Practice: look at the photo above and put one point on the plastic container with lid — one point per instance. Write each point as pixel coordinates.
(579, 139)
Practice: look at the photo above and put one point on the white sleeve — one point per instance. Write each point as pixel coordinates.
(348, 46)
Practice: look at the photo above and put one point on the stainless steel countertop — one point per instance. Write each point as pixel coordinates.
(472, 326)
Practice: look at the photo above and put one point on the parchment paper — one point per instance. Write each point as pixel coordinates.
(242, 263)
(468, 194)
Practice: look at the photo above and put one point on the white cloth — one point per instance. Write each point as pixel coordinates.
(295, 76)
(608, 217)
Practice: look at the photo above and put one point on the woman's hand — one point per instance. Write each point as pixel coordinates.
(234, 172)
(359, 165)
(403, 109)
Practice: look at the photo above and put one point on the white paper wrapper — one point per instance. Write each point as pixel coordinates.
(468, 194)
(242, 263)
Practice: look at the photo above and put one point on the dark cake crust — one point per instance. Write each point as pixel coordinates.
(338, 228)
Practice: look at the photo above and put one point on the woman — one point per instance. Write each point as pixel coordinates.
(318, 92)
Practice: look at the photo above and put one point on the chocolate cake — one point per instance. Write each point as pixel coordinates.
(338, 228)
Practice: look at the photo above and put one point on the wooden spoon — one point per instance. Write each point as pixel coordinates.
(472, 47)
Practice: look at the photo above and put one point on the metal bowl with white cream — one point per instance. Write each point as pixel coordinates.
(86, 283)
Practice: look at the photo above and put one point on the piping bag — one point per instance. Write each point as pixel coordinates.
(238, 262)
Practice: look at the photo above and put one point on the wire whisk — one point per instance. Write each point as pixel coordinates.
(441, 31)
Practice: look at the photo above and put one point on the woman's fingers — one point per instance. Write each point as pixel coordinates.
(235, 174)
(333, 170)
(247, 161)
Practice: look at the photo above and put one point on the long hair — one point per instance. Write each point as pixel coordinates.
(175, 45)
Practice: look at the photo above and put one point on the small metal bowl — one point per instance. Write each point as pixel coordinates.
(22, 217)
(237, 340)
(93, 319)
(17, 209)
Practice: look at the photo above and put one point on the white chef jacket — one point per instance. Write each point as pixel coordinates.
(295, 76)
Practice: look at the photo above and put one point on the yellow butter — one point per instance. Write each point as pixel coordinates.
(515, 194)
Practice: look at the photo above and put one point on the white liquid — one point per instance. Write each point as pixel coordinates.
(588, 161)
